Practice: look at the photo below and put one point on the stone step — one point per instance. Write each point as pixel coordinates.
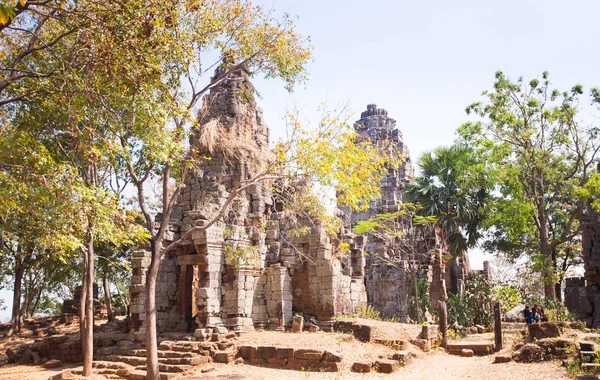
(478, 348)
(131, 360)
(161, 354)
(179, 346)
(108, 373)
(100, 364)
(587, 346)
(590, 367)
(169, 368)
(588, 356)
(140, 374)
(137, 360)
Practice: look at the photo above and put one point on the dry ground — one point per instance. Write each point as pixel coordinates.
(429, 367)
(432, 366)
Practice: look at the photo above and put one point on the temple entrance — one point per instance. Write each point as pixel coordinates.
(188, 283)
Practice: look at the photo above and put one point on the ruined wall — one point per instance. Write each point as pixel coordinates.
(590, 247)
(576, 299)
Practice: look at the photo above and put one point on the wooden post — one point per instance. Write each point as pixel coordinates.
(497, 326)
(443, 322)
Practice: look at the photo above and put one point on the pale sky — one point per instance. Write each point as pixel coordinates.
(425, 61)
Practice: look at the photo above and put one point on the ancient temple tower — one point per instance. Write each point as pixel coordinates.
(247, 269)
(387, 288)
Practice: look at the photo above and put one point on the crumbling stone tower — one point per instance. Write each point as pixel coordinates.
(246, 269)
(386, 285)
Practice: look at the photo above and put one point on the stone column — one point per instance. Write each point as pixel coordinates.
(278, 296)
(208, 295)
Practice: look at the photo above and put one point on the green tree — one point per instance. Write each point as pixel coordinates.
(508, 296)
(452, 188)
(38, 215)
(531, 139)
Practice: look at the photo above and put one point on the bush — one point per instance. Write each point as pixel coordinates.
(474, 306)
(556, 311)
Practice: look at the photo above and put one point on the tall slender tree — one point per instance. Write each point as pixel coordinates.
(531, 137)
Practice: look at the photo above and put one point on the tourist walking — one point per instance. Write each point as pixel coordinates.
(527, 315)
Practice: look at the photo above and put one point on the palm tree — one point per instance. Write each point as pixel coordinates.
(452, 189)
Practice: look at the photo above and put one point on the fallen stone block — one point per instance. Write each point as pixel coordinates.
(387, 366)
(266, 352)
(363, 332)
(361, 366)
(249, 352)
(285, 352)
(308, 354)
(329, 366)
(332, 356)
(467, 353)
(225, 357)
(53, 363)
(402, 357)
(502, 359)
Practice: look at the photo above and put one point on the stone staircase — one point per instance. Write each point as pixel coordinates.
(589, 359)
(175, 358)
(513, 328)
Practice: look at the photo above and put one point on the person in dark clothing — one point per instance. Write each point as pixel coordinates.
(536, 313)
(528, 315)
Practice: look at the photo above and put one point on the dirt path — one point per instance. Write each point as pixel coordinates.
(434, 366)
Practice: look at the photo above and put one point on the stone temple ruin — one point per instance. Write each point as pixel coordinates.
(274, 272)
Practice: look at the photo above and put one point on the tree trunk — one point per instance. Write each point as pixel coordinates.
(15, 322)
(549, 282)
(417, 306)
(546, 250)
(88, 347)
(497, 327)
(152, 370)
(109, 308)
(36, 303)
(125, 303)
(82, 297)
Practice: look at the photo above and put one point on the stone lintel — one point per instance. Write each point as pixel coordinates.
(191, 260)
